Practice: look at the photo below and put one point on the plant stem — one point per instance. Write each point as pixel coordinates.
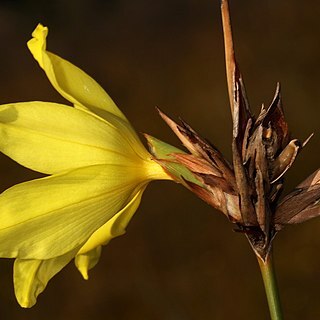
(270, 286)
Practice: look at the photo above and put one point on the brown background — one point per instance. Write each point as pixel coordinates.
(180, 258)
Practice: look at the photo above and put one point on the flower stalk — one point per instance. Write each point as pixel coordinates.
(270, 286)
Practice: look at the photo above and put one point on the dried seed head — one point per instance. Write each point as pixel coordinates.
(247, 191)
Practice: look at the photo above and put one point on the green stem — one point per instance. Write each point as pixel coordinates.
(270, 286)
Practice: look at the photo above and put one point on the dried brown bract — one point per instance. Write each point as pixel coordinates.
(247, 191)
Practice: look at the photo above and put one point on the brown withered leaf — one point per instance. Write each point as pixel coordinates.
(220, 182)
(210, 176)
(241, 110)
(237, 94)
(261, 181)
(286, 158)
(201, 148)
(217, 198)
(194, 143)
(206, 149)
(179, 132)
(196, 164)
(302, 204)
(242, 121)
(274, 118)
(284, 161)
(245, 190)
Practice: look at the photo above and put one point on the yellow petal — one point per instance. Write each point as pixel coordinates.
(71, 82)
(49, 217)
(80, 89)
(51, 138)
(126, 130)
(87, 261)
(88, 255)
(31, 277)
(115, 227)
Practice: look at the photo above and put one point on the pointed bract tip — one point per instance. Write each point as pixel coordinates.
(163, 115)
(307, 140)
(169, 121)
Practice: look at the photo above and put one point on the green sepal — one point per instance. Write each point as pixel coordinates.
(164, 155)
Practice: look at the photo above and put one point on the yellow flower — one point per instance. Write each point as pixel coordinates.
(97, 167)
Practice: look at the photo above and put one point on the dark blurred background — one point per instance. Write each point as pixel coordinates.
(180, 259)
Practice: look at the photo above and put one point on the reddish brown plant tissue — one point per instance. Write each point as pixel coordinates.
(247, 191)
